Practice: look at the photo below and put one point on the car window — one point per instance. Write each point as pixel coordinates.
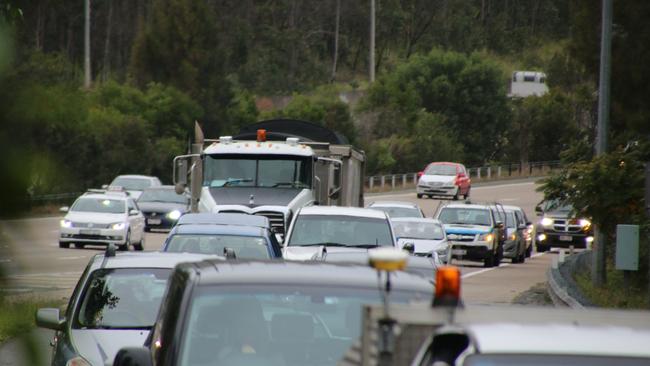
(440, 169)
(102, 205)
(511, 221)
(121, 298)
(340, 229)
(395, 212)
(418, 230)
(273, 324)
(468, 216)
(245, 247)
(132, 205)
(132, 184)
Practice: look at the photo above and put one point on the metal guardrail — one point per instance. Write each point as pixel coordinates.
(483, 173)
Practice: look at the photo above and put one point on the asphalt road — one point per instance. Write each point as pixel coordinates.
(34, 265)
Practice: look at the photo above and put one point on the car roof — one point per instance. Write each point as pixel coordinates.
(163, 187)
(135, 176)
(560, 339)
(148, 259)
(120, 196)
(223, 219)
(445, 163)
(512, 208)
(219, 229)
(426, 220)
(216, 272)
(466, 205)
(343, 211)
(393, 204)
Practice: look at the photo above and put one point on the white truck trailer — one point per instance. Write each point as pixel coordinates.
(271, 168)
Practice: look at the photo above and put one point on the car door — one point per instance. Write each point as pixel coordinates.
(136, 222)
(462, 179)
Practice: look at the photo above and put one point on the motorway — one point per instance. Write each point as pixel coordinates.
(35, 265)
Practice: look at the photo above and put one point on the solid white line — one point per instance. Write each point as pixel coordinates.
(471, 274)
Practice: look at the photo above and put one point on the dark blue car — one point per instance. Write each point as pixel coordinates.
(249, 236)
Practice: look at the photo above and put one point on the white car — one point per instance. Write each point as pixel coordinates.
(101, 217)
(135, 184)
(396, 209)
(426, 235)
(443, 179)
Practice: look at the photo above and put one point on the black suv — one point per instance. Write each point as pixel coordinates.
(560, 228)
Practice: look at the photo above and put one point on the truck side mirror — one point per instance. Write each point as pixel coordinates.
(181, 168)
(133, 356)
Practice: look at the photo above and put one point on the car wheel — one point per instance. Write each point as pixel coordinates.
(78, 245)
(146, 230)
(419, 196)
(127, 242)
(488, 261)
(64, 245)
(139, 246)
(431, 196)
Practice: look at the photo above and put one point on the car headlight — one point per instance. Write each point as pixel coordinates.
(118, 226)
(66, 224)
(584, 223)
(486, 237)
(174, 215)
(77, 361)
(513, 237)
(547, 221)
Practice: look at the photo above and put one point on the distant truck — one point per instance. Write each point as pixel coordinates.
(527, 83)
(271, 168)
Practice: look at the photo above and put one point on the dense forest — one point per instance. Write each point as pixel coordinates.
(443, 69)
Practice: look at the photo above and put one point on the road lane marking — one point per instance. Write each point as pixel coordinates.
(476, 273)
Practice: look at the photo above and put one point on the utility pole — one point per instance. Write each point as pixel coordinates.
(87, 76)
(598, 277)
(371, 60)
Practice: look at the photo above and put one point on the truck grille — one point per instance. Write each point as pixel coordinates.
(275, 218)
(566, 226)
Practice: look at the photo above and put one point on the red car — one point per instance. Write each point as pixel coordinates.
(444, 179)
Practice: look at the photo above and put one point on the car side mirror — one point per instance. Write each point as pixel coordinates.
(420, 174)
(133, 212)
(104, 186)
(409, 247)
(229, 253)
(49, 318)
(334, 193)
(64, 209)
(133, 356)
(538, 210)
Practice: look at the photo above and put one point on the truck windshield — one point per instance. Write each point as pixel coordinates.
(277, 171)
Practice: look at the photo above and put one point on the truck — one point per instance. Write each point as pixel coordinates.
(271, 168)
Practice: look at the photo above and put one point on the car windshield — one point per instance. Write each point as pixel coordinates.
(132, 184)
(394, 211)
(101, 205)
(277, 171)
(126, 298)
(162, 195)
(467, 216)
(245, 247)
(550, 359)
(340, 230)
(418, 230)
(276, 325)
(440, 169)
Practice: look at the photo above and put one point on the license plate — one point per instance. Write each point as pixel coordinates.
(89, 232)
(153, 221)
(566, 238)
(459, 252)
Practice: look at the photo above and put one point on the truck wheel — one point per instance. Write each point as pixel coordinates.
(488, 261)
(64, 245)
(419, 196)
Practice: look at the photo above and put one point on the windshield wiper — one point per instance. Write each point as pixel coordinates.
(242, 180)
(366, 246)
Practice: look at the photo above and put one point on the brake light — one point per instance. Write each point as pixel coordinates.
(447, 286)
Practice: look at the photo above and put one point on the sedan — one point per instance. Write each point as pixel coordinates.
(426, 237)
(162, 207)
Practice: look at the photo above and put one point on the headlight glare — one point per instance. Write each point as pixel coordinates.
(66, 224)
(486, 237)
(585, 223)
(547, 221)
(174, 215)
(118, 226)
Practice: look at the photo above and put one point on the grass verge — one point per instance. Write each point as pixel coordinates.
(615, 294)
(18, 317)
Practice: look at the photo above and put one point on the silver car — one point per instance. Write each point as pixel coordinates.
(114, 305)
(396, 209)
(427, 237)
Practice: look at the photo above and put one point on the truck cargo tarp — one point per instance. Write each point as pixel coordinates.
(280, 129)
